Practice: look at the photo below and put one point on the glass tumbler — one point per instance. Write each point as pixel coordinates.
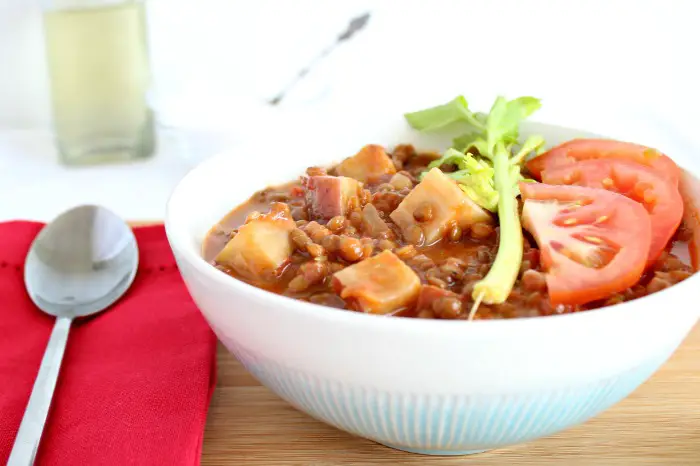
(99, 74)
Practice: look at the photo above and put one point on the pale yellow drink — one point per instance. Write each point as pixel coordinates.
(99, 71)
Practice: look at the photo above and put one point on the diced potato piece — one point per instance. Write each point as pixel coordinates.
(261, 247)
(429, 294)
(372, 223)
(328, 196)
(368, 165)
(378, 285)
(445, 201)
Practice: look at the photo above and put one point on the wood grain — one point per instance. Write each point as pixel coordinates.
(659, 424)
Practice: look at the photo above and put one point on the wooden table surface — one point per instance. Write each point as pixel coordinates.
(657, 424)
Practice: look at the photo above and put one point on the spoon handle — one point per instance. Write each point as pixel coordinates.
(29, 434)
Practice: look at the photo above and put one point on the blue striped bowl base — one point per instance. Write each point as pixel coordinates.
(443, 424)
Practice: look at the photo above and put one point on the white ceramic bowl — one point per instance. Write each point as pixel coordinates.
(426, 386)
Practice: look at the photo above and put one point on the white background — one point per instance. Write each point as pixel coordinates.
(627, 68)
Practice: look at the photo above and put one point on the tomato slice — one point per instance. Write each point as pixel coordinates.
(659, 196)
(578, 150)
(587, 245)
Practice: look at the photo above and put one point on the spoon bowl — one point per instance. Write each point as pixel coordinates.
(78, 265)
(81, 263)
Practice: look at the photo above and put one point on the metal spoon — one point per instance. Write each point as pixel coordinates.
(78, 265)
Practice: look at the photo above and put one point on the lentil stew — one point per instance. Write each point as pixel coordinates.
(386, 232)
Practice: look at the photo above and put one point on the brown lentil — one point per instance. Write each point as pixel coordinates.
(386, 201)
(423, 213)
(316, 231)
(350, 249)
(300, 238)
(336, 224)
(447, 307)
(355, 218)
(435, 281)
(313, 271)
(452, 268)
(316, 250)
(331, 243)
(455, 233)
(422, 262)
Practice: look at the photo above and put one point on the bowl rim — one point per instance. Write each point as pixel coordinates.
(179, 242)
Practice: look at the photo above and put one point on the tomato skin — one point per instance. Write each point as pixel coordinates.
(550, 215)
(578, 150)
(659, 196)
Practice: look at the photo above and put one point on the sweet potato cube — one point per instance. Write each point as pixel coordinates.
(378, 285)
(261, 247)
(368, 165)
(446, 202)
(328, 196)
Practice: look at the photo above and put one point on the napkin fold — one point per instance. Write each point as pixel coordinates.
(136, 380)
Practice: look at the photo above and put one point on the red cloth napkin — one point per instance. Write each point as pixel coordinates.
(136, 380)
